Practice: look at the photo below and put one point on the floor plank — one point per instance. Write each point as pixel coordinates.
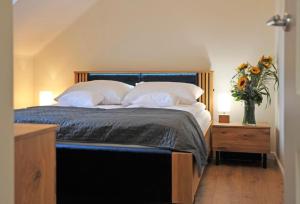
(241, 184)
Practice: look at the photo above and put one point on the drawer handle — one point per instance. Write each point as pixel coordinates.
(37, 175)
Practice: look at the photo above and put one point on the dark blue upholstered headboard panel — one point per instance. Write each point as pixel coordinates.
(130, 78)
(133, 78)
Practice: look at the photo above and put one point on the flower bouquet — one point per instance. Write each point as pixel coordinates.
(250, 85)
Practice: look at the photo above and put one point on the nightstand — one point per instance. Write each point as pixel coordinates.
(236, 137)
(35, 164)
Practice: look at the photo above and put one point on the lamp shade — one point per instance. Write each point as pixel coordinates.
(224, 103)
(45, 98)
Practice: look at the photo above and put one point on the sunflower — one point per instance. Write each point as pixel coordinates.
(266, 61)
(242, 66)
(266, 64)
(242, 83)
(255, 70)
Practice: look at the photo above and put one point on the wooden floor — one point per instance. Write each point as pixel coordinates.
(241, 184)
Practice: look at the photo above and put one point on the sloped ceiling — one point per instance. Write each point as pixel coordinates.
(38, 22)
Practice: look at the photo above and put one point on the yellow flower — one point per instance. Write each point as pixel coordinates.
(266, 64)
(242, 83)
(266, 61)
(242, 66)
(255, 70)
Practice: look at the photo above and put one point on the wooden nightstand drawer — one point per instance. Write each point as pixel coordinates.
(236, 137)
(241, 139)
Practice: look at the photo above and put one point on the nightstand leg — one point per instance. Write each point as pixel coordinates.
(217, 157)
(264, 161)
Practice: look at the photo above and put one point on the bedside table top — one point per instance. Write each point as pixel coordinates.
(27, 130)
(240, 125)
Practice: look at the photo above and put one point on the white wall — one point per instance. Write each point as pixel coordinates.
(161, 35)
(6, 113)
(23, 81)
(36, 23)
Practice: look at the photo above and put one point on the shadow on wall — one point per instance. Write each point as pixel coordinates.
(187, 58)
(130, 56)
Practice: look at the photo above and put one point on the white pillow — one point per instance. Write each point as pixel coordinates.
(158, 99)
(80, 99)
(186, 93)
(200, 106)
(112, 91)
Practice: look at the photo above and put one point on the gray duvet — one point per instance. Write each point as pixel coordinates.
(169, 129)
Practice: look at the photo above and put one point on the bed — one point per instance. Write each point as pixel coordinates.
(96, 173)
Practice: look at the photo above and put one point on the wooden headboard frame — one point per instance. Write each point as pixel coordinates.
(205, 80)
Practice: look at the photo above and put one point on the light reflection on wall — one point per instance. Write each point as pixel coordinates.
(23, 81)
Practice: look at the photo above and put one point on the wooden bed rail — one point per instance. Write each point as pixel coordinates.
(81, 77)
(205, 82)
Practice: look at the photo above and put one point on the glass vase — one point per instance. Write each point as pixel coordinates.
(249, 113)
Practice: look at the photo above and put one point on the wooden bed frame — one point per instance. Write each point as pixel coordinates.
(185, 175)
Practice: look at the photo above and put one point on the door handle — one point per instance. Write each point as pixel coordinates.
(283, 22)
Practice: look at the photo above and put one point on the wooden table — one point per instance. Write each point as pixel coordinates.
(35, 164)
(236, 137)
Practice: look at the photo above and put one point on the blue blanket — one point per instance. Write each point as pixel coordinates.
(162, 128)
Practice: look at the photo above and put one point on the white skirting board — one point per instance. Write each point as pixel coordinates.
(279, 163)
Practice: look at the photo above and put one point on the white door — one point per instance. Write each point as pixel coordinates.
(290, 98)
(292, 104)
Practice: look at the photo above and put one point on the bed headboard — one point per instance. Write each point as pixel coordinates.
(202, 79)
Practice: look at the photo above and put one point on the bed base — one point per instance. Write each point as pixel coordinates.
(87, 175)
(183, 177)
(178, 183)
